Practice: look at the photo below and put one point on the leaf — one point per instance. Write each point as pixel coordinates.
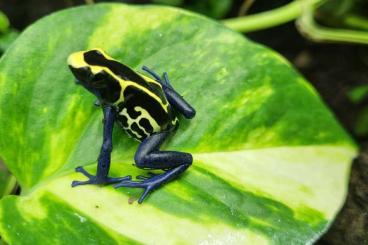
(348, 14)
(212, 8)
(358, 94)
(7, 35)
(169, 2)
(360, 127)
(270, 161)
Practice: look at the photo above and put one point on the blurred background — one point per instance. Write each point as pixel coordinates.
(326, 40)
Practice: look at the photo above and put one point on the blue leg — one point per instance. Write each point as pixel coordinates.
(103, 165)
(177, 101)
(155, 76)
(149, 156)
(174, 98)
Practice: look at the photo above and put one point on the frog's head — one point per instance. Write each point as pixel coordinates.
(92, 72)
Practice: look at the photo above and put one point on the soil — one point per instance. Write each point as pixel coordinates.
(333, 69)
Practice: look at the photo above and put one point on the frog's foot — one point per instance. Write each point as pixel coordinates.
(149, 184)
(97, 180)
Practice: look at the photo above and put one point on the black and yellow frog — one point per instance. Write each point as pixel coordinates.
(145, 108)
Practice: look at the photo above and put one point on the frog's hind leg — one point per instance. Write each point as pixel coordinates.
(148, 156)
(103, 165)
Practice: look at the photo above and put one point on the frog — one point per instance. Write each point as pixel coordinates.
(146, 106)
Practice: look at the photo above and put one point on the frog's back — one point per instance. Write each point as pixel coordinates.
(145, 109)
(141, 114)
(142, 106)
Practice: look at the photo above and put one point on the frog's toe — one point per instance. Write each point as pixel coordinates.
(76, 183)
(83, 171)
(148, 184)
(117, 180)
(97, 180)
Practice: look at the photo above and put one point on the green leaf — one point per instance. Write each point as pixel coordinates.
(270, 161)
(213, 8)
(358, 94)
(169, 2)
(361, 124)
(350, 14)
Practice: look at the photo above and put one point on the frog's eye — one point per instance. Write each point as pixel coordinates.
(82, 73)
(98, 80)
(98, 52)
(99, 76)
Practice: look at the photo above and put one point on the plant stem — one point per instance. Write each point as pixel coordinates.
(268, 19)
(245, 7)
(313, 31)
(356, 21)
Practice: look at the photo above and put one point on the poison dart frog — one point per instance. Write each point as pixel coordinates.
(146, 109)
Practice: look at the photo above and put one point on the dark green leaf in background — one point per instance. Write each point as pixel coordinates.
(4, 22)
(7, 35)
(350, 14)
(213, 8)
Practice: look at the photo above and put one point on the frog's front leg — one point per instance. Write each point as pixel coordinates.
(175, 99)
(163, 82)
(149, 156)
(103, 165)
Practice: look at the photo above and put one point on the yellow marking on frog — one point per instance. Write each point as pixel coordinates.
(76, 60)
(150, 80)
(145, 114)
(125, 83)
